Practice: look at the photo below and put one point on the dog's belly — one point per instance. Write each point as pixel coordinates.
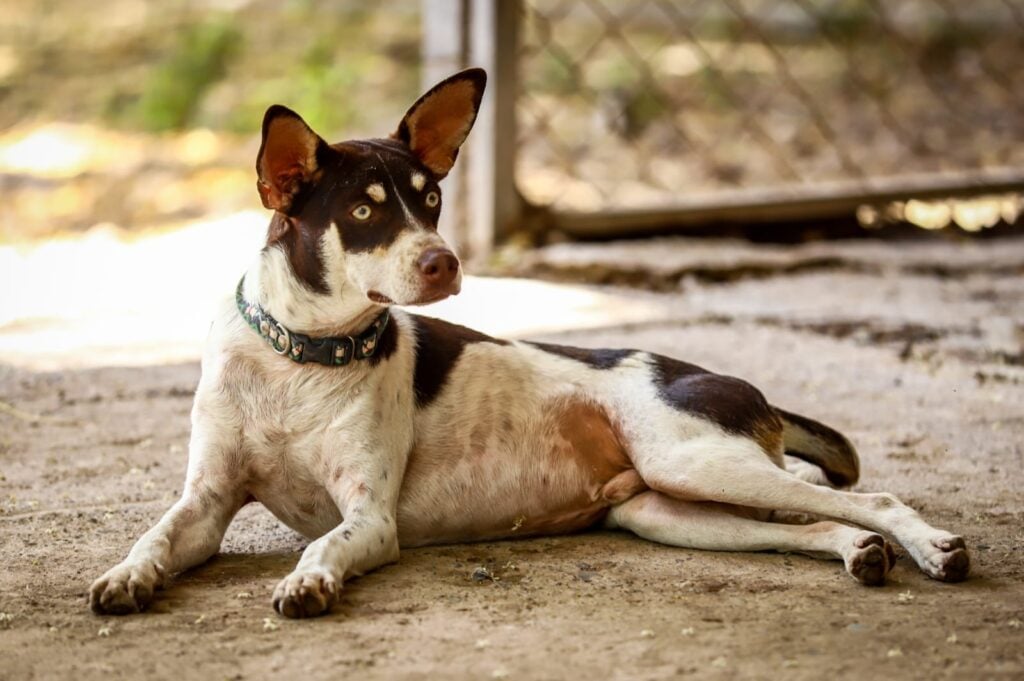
(555, 468)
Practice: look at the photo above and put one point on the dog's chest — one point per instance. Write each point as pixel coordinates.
(294, 428)
(283, 473)
(286, 457)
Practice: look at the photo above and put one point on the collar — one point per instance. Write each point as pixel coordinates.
(303, 349)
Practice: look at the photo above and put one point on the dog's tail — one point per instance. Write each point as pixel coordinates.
(822, 446)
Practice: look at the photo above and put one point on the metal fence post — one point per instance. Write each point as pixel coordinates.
(494, 204)
(445, 45)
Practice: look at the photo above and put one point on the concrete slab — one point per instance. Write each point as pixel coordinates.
(920, 366)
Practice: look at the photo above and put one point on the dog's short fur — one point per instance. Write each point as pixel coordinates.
(448, 435)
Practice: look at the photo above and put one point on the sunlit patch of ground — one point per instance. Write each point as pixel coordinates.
(104, 299)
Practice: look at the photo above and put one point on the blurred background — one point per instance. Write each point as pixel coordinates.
(143, 115)
(128, 132)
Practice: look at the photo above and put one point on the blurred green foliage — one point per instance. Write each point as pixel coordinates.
(327, 89)
(345, 65)
(176, 87)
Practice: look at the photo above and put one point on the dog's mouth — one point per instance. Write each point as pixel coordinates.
(433, 299)
(378, 297)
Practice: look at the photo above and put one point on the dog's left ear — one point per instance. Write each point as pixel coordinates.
(438, 123)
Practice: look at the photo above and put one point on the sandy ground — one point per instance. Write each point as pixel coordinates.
(915, 353)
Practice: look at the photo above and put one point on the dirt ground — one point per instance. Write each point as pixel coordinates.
(915, 351)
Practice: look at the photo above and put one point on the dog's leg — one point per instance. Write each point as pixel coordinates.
(367, 537)
(720, 527)
(734, 470)
(807, 471)
(188, 534)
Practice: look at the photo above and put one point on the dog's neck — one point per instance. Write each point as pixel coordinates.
(342, 310)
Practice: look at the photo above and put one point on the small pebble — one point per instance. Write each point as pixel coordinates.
(270, 625)
(482, 574)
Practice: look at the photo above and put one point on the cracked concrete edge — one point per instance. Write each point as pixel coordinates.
(661, 264)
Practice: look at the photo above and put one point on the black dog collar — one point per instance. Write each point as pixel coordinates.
(298, 347)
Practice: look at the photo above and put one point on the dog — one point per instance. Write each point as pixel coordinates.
(368, 429)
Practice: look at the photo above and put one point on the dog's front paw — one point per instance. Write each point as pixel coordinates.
(125, 589)
(305, 593)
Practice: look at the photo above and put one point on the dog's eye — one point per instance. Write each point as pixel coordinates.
(362, 212)
(433, 199)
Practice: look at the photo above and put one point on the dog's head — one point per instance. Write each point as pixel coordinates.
(359, 218)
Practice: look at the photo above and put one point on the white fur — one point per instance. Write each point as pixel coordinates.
(418, 181)
(377, 192)
(393, 271)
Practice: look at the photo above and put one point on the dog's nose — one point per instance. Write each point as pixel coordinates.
(438, 267)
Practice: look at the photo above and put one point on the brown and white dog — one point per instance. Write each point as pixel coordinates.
(378, 430)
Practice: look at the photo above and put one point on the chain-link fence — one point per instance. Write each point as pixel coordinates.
(644, 105)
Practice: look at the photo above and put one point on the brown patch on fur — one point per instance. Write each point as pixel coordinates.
(571, 466)
(590, 439)
(590, 443)
(768, 434)
(623, 486)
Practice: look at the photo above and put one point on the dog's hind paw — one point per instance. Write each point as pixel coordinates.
(305, 593)
(125, 589)
(951, 562)
(871, 559)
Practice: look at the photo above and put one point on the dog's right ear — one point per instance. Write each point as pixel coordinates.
(287, 161)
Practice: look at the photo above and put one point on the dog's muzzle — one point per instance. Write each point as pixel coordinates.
(439, 271)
